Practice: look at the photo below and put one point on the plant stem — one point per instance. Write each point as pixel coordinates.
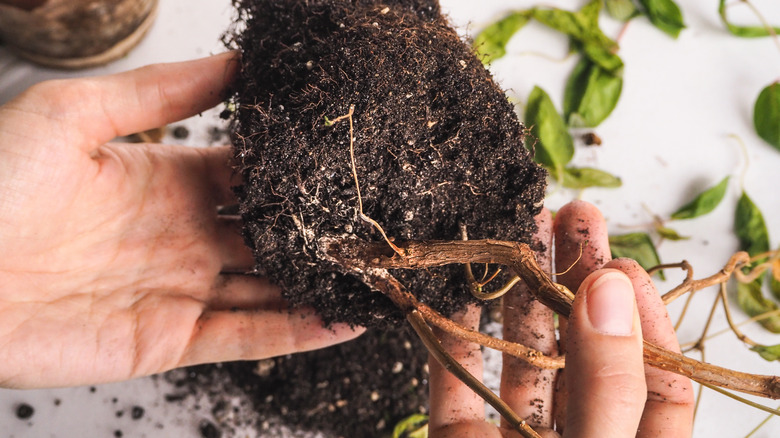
(450, 364)
(363, 257)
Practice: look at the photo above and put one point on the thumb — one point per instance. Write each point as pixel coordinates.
(604, 366)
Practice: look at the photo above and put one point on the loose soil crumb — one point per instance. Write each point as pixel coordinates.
(24, 411)
(436, 145)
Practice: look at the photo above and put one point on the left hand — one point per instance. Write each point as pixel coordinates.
(112, 254)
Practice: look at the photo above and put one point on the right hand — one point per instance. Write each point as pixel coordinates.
(606, 390)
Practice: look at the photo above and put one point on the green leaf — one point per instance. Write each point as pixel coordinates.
(665, 15)
(753, 302)
(591, 94)
(704, 203)
(744, 31)
(583, 28)
(768, 352)
(750, 227)
(766, 114)
(413, 426)
(669, 234)
(491, 43)
(550, 140)
(637, 246)
(622, 10)
(584, 177)
(774, 279)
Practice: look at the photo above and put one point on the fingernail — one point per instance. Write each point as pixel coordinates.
(611, 304)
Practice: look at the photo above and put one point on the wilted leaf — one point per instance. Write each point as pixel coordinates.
(584, 177)
(750, 227)
(637, 246)
(413, 426)
(665, 15)
(622, 10)
(766, 114)
(768, 352)
(491, 43)
(704, 203)
(591, 94)
(744, 31)
(669, 234)
(753, 302)
(553, 147)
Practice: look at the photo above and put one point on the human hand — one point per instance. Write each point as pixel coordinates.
(606, 390)
(113, 254)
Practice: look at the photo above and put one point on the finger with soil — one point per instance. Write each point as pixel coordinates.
(669, 407)
(451, 401)
(527, 389)
(581, 247)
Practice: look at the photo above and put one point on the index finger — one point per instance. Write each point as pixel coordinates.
(93, 111)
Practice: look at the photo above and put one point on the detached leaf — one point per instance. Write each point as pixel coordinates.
(554, 147)
(413, 426)
(768, 352)
(669, 234)
(766, 114)
(591, 94)
(637, 246)
(491, 43)
(584, 177)
(744, 31)
(665, 15)
(774, 279)
(704, 203)
(750, 227)
(753, 302)
(583, 28)
(622, 10)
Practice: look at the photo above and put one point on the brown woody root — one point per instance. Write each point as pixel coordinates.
(369, 260)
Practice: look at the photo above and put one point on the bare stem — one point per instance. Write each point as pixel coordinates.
(360, 256)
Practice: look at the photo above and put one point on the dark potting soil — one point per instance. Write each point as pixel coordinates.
(436, 145)
(362, 388)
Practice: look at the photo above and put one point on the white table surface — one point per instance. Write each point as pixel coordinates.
(668, 139)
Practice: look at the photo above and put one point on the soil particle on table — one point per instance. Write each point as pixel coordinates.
(436, 145)
(24, 411)
(137, 412)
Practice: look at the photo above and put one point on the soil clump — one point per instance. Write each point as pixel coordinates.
(436, 146)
